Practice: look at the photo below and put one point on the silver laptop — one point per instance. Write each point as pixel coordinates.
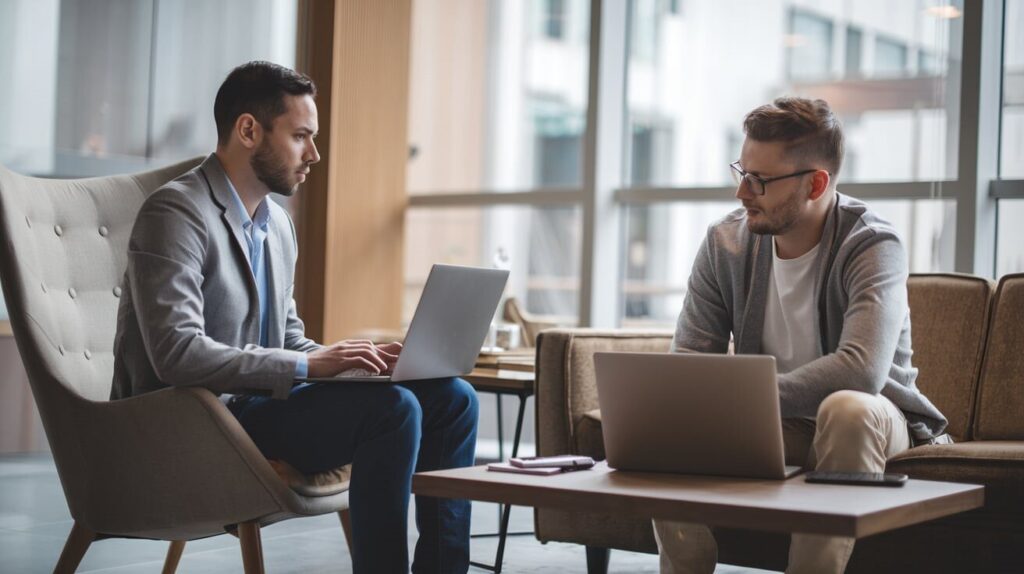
(449, 326)
(691, 414)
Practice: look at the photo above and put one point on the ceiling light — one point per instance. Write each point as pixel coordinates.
(945, 12)
(794, 40)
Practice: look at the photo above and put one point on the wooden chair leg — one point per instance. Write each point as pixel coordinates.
(74, 549)
(346, 525)
(252, 548)
(173, 556)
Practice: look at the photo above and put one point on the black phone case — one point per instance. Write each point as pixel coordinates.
(856, 478)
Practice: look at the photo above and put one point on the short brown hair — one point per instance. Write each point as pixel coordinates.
(257, 88)
(809, 128)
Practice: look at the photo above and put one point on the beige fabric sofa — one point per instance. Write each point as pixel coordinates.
(969, 346)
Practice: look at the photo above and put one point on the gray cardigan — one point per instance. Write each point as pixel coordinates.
(864, 319)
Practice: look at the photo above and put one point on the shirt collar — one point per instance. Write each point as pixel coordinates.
(262, 215)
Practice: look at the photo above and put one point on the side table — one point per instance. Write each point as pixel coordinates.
(519, 383)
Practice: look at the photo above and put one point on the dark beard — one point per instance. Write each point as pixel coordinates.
(782, 220)
(271, 171)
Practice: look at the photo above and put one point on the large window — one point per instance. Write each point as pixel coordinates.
(540, 248)
(662, 240)
(498, 107)
(898, 122)
(497, 95)
(109, 86)
(1012, 144)
(94, 87)
(1010, 238)
(673, 113)
(900, 127)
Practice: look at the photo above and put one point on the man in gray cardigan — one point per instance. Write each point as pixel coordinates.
(818, 280)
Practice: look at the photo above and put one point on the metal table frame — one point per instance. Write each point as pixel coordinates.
(523, 392)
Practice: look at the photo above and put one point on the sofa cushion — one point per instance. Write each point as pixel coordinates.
(999, 465)
(949, 315)
(1001, 387)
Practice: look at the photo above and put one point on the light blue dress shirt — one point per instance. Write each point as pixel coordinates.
(255, 231)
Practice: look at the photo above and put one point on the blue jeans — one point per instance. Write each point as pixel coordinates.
(386, 431)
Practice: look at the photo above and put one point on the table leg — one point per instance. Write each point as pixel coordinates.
(501, 445)
(506, 510)
(519, 426)
(501, 431)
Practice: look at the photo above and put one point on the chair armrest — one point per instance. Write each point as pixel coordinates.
(566, 388)
(174, 458)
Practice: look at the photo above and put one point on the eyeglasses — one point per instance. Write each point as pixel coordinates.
(759, 184)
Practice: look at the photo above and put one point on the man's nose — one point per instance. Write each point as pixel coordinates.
(743, 190)
(312, 155)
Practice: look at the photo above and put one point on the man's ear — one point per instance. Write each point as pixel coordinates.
(249, 131)
(819, 183)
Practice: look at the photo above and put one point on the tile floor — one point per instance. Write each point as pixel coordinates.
(34, 523)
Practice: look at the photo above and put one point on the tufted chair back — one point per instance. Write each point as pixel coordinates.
(63, 253)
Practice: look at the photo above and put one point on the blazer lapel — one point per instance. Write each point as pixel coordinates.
(217, 180)
(234, 224)
(223, 196)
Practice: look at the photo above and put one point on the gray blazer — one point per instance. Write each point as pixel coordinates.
(189, 312)
(863, 314)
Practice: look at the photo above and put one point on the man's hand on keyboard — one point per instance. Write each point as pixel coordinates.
(330, 360)
(347, 356)
(389, 352)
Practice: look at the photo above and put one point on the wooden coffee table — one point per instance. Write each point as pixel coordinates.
(773, 505)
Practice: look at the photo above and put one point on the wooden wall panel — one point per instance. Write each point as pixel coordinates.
(365, 207)
(315, 58)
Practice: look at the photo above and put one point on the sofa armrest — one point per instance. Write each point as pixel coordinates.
(566, 388)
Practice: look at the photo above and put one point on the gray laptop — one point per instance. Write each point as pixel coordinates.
(691, 414)
(449, 326)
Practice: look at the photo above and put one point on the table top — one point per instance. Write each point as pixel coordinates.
(501, 381)
(791, 505)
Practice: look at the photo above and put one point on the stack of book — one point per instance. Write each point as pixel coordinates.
(543, 465)
(511, 360)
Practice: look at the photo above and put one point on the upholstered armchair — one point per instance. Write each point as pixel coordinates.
(170, 465)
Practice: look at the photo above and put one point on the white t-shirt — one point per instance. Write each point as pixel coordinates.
(790, 314)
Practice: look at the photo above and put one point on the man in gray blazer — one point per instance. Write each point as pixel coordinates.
(207, 301)
(819, 281)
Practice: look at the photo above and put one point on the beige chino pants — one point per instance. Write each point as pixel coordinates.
(854, 431)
